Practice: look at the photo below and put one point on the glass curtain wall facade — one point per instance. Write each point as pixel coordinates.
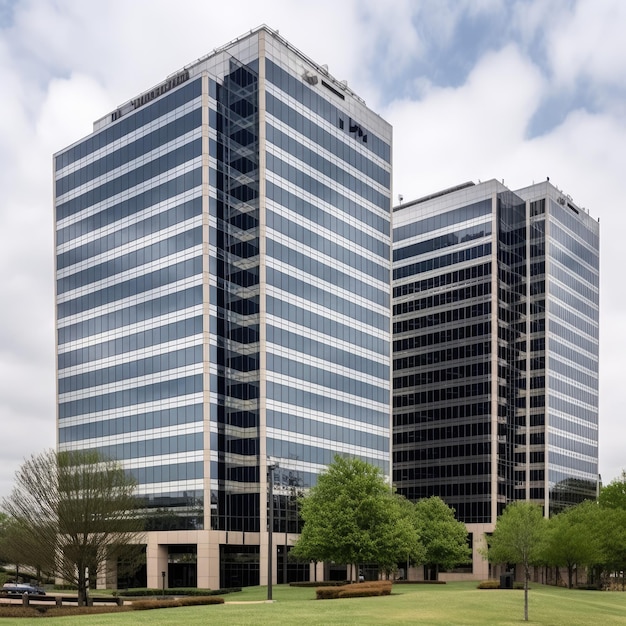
(495, 351)
(223, 270)
(562, 461)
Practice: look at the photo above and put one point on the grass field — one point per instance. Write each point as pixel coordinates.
(452, 604)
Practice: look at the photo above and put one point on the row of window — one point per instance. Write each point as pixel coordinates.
(164, 418)
(168, 473)
(442, 317)
(444, 336)
(569, 462)
(327, 220)
(576, 286)
(443, 241)
(326, 167)
(138, 230)
(296, 425)
(130, 397)
(313, 101)
(472, 370)
(326, 378)
(442, 299)
(131, 260)
(131, 287)
(133, 314)
(571, 263)
(130, 123)
(297, 396)
(463, 352)
(576, 225)
(176, 444)
(449, 412)
(585, 327)
(131, 206)
(480, 430)
(169, 132)
(573, 410)
(281, 449)
(449, 278)
(591, 257)
(441, 220)
(443, 261)
(326, 299)
(321, 137)
(132, 369)
(327, 194)
(330, 327)
(581, 306)
(130, 343)
(337, 252)
(574, 392)
(453, 392)
(578, 339)
(326, 352)
(567, 444)
(574, 373)
(131, 179)
(335, 277)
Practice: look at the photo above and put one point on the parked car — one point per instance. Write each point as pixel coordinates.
(20, 589)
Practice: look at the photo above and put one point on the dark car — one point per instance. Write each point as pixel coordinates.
(20, 589)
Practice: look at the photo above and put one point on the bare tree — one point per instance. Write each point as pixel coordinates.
(75, 510)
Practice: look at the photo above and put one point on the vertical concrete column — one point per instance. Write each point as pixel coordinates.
(156, 562)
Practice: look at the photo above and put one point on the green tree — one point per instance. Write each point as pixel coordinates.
(572, 539)
(74, 510)
(613, 495)
(518, 538)
(352, 516)
(443, 537)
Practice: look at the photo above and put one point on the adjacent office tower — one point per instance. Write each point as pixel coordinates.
(222, 300)
(495, 350)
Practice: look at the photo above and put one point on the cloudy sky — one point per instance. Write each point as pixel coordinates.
(515, 90)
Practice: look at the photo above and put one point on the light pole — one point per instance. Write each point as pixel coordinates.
(271, 466)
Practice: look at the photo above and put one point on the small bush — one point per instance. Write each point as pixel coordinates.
(355, 590)
(489, 584)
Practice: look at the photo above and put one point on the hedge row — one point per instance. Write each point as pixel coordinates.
(419, 582)
(170, 603)
(175, 591)
(355, 590)
(320, 583)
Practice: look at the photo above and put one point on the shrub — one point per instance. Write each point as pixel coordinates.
(175, 591)
(355, 590)
(419, 582)
(489, 584)
(320, 583)
(327, 593)
(170, 603)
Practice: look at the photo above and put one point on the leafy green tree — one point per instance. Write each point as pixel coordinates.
(613, 495)
(352, 516)
(443, 537)
(74, 510)
(518, 538)
(572, 539)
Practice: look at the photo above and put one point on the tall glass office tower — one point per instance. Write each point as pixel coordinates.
(495, 351)
(223, 303)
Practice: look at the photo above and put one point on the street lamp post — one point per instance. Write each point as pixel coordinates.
(270, 530)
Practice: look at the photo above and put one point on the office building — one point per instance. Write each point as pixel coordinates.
(223, 303)
(495, 351)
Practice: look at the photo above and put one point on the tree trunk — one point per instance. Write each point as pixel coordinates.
(526, 577)
(570, 576)
(82, 586)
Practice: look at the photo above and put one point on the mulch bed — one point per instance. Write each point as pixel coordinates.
(62, 611)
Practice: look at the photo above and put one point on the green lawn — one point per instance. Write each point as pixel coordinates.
(455, 604)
